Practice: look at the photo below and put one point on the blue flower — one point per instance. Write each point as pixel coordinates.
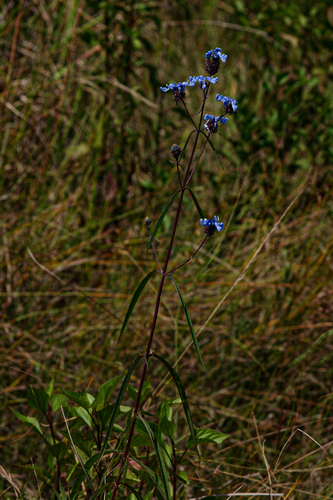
(212, 122)
(178, 90)
(203, 80)
(210, 226)
(216, 54)
(175, 87)
(230, 105)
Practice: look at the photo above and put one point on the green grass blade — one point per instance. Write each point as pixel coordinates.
(183, 397)
(189, 322)
(134, 301)
(214, 149)
(116, 406)
(196, 203)
(160, 220)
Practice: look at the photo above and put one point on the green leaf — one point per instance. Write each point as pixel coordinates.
(196, 203)
(58, 450)
(160, 220)
(78, 398)
(160, 458)
(182, 476)
(104, 414)
(106, 390)
(58, 400)
(38, 399)
(166, 427)
(213, 148)
(117, 406)
(207, 436)
(149, 495)
(28, 420)
(50, 388)
(134, 301)
(174, 401)
(166, 410)
(140, 441)
(183, 397)
(80, 442)
(194, 338)
(59, 497)
(82, 413)
(34, 471)
(132, 392)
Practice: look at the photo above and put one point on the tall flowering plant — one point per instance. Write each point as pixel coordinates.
(142, 457)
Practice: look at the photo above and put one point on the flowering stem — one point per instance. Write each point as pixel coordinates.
(157, 304)
(195, 166)
(188, 113)
(179, 178)
(189, 260)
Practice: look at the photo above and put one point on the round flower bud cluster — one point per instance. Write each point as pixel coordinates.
(210, 226)
(230, 105)
(213, 59)
(176, 151)
(213, 121)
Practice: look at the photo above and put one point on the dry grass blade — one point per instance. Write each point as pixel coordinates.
(5, 475)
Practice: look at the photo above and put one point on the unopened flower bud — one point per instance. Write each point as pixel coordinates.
(176, 151)
(147, 222)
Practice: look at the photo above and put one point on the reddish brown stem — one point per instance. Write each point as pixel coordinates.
(157, 305)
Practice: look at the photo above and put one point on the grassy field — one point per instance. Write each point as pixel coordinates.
(84, 158)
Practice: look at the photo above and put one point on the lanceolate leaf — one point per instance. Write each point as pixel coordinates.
(189, 322)
(183, 397)
(134, 301)
(160, 459)
(135, 493)
(196, 203)
(160, 220)
(213, 148)
(152, 475)
(117, 405)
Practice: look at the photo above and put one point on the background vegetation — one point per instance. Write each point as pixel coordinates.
(85, 140)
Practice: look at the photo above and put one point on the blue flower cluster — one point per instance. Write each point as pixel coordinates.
(213, 121)
(216, 54)
(210, 226)
(204, 79)
(180, 87)
(231, 105)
